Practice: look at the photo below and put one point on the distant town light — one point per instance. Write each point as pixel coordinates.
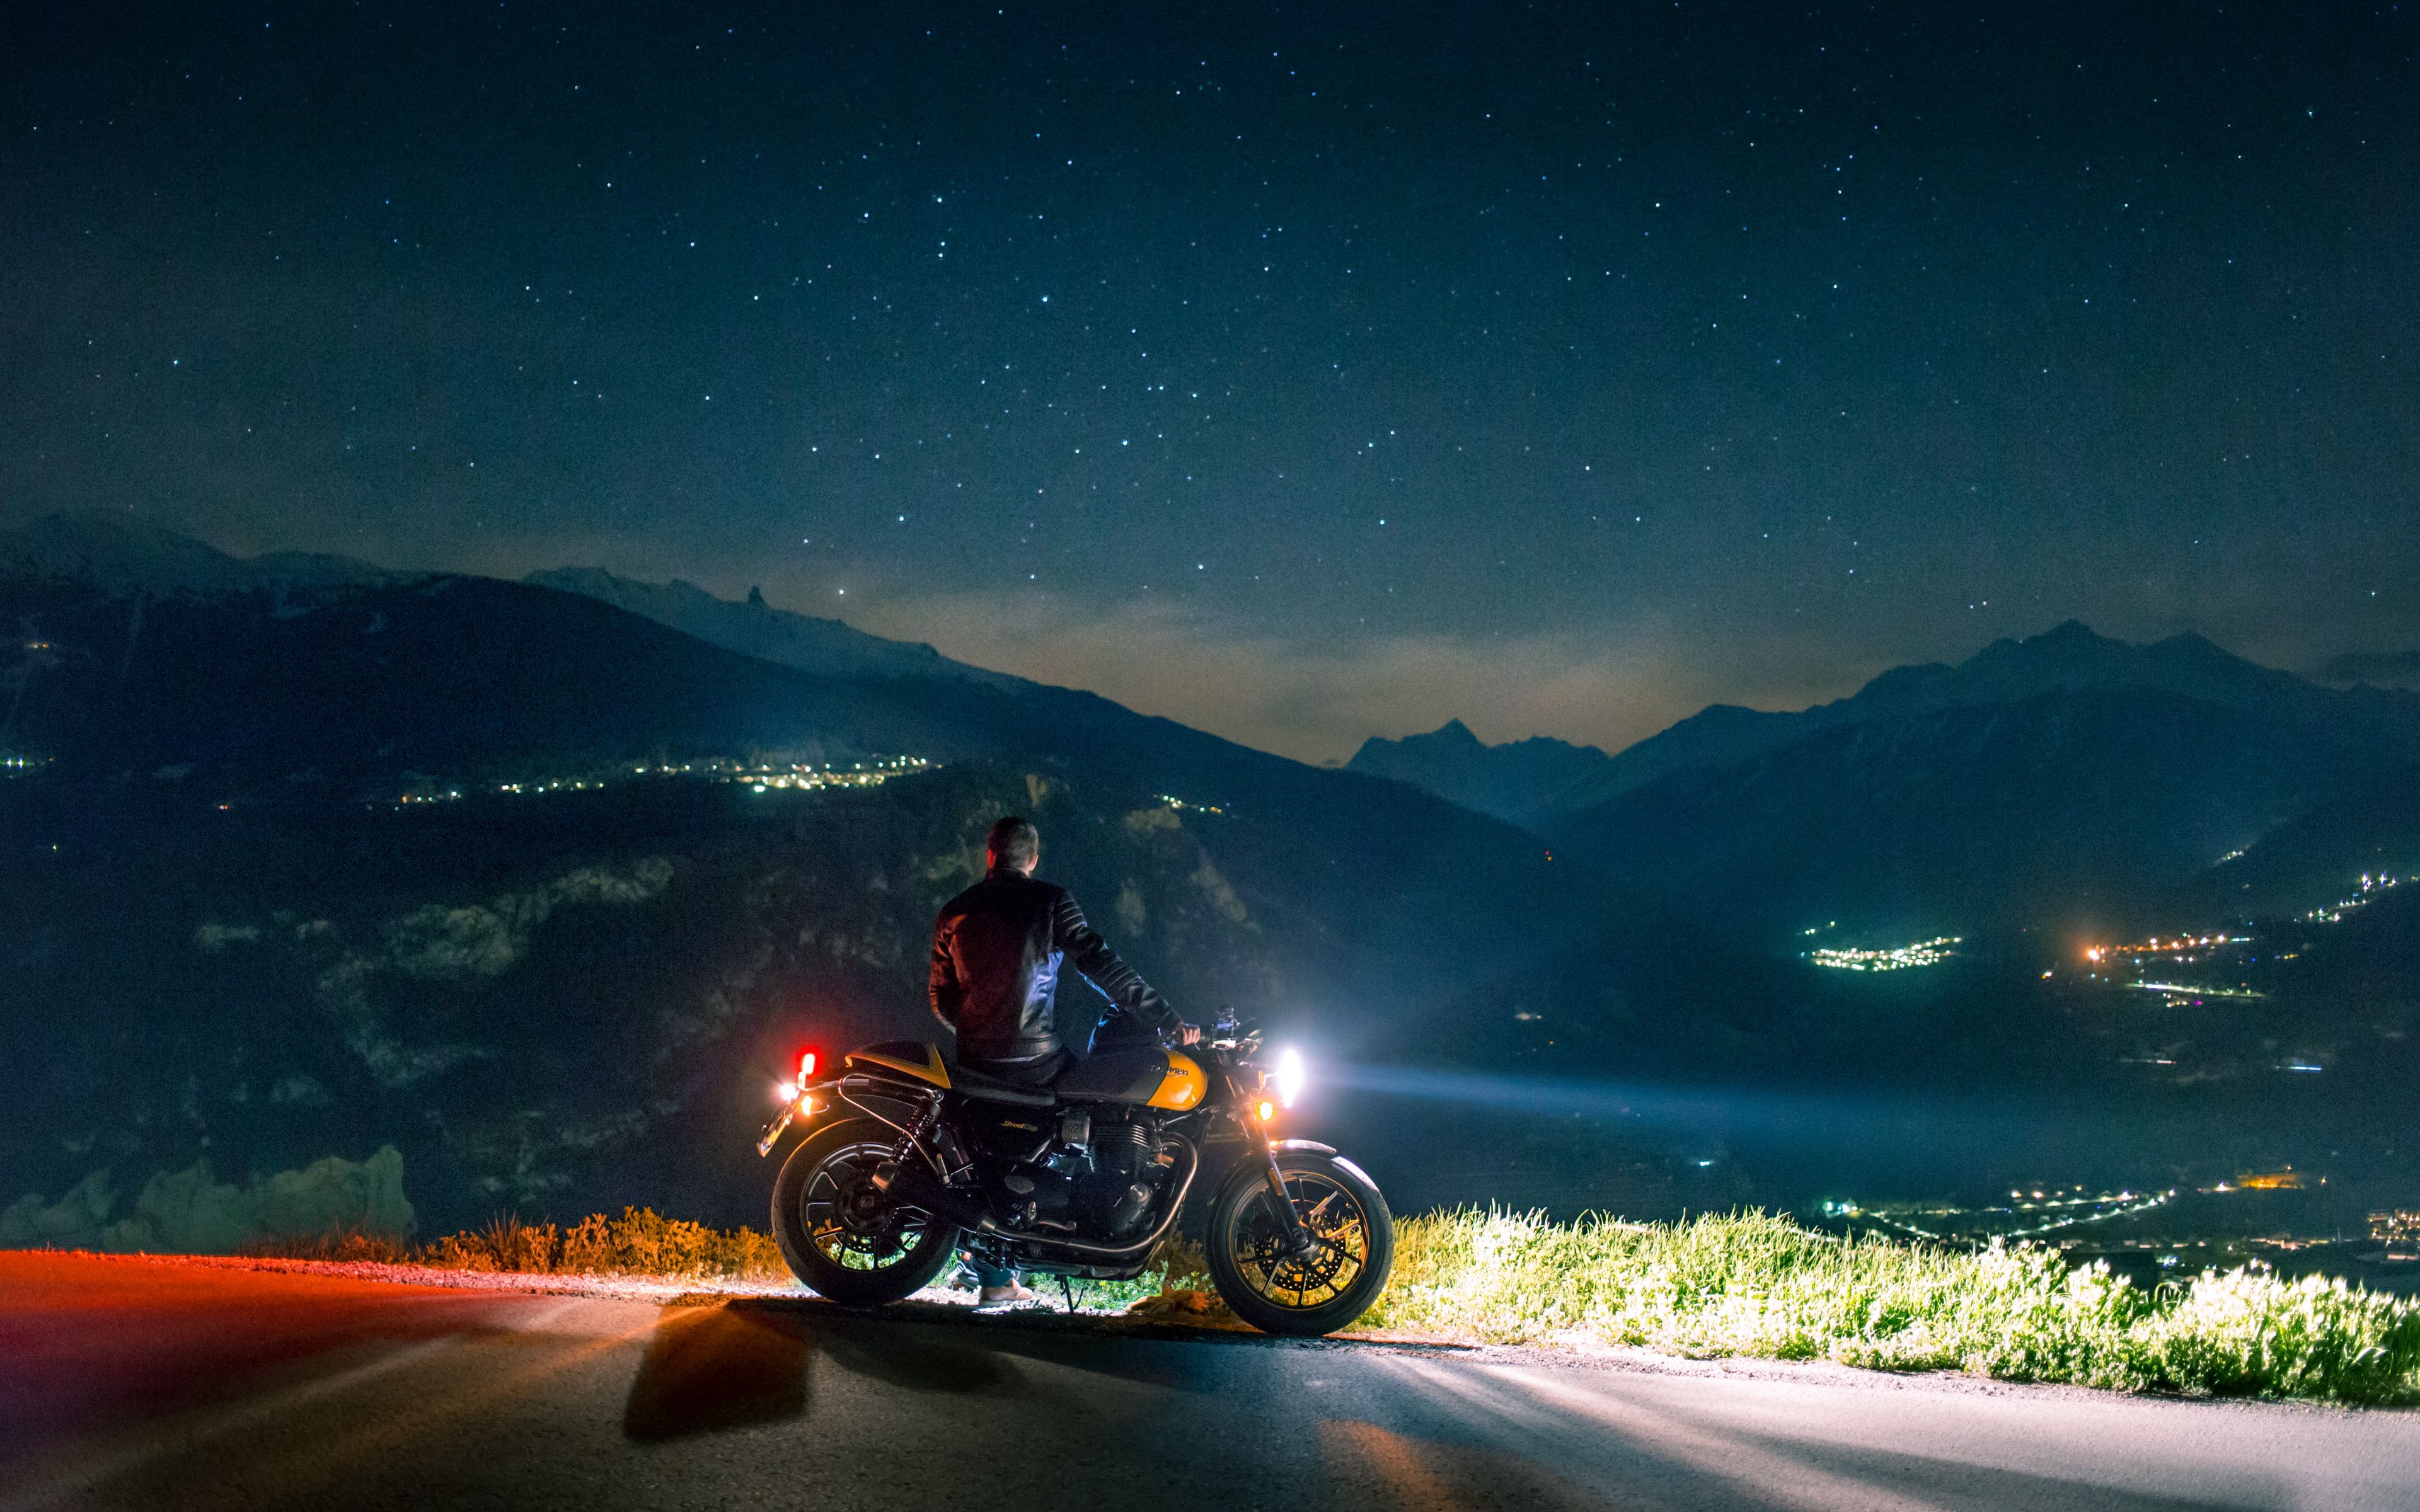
(1897, 958)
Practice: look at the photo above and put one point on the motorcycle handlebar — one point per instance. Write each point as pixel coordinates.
(1228, 1033)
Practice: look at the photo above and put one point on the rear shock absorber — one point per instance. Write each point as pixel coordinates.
(917, 1131)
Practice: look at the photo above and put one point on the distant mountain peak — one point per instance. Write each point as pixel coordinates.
(1534, 782)
(2069, 641)
(124, 553)
(1509, 781)
(755, 628)
(2190, 648)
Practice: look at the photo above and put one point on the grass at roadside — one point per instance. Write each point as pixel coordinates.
(642, 1245)
(1739, 1283)
(638, 1243)
(1748, 1284)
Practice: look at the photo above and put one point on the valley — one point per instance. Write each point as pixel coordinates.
(541, 890)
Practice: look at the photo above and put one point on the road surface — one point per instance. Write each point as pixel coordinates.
(132, 1382)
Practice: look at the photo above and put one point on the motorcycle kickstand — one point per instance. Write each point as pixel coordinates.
(1069, 1288)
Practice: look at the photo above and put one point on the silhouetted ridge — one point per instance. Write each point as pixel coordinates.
(753, 627)
(2054, 773)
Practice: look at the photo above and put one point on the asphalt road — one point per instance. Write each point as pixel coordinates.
(148, 1383)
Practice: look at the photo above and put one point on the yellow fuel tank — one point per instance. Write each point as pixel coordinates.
(1183, 1087)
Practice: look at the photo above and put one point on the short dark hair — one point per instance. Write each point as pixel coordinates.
(1013, 841)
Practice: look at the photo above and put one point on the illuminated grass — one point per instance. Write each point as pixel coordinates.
(1739, 1283)
(638, 1243)
(1749, 1284)
(642, 1245)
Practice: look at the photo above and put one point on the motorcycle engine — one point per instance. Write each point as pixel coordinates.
(1098, 1176)
(1031, 1186)
(1127, 1168)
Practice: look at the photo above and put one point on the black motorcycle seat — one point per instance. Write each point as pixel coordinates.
(1114, 1077)
(976, 1085)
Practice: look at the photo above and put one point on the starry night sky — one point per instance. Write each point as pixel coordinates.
(1303, 373)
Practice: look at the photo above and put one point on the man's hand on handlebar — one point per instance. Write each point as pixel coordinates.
(1188, 1034)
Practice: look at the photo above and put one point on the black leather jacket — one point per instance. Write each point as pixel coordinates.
(996, 954)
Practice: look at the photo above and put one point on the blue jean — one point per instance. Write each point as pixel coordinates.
(990, 1275)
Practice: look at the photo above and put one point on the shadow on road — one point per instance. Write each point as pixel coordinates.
(915, 1357)
(1382, 1424)
(195, 1386)
(927, 1346)
(730, 1364)
(719, 1368)
(727, 1362)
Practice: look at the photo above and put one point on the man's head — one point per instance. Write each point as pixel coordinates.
(1013, 845)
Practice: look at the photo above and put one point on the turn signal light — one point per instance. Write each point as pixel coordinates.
(1268, 1110)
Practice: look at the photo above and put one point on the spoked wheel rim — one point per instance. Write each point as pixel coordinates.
(1339, 1225)
(849, 1221)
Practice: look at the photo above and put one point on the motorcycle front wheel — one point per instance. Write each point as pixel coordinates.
(1318, 1292)
(843, 1236)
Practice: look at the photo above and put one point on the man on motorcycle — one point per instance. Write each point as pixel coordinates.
(996, 950)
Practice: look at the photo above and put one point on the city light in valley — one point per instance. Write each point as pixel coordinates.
(1181, 806)
(2026, 1214)
(1894, 958)
(806, 775)
(757, 775)
(2371, 886)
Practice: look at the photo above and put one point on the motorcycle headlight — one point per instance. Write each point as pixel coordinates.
(1290, 1077)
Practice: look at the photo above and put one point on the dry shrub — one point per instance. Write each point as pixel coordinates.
(346, 1247)
(640, 1242)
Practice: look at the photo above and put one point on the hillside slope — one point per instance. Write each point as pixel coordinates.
(2063, 807)
(239, 941)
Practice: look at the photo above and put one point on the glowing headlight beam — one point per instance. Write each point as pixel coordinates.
(1290, 1076)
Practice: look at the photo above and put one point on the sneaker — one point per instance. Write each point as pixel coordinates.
(1012, 1295)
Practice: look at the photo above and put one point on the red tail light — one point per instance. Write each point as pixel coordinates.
(806, 1067)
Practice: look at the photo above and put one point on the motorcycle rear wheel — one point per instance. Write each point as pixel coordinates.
(1318, 1293)
(843, 1237)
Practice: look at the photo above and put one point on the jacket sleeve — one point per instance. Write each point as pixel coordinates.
(944, 988)
(1091, 954)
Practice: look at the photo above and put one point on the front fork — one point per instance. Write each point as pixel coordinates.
(1298, 1238)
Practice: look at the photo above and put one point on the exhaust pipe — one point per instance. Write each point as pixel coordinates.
(917, 1187)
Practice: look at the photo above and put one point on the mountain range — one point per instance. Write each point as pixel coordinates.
(2050, 781)
(304, 857)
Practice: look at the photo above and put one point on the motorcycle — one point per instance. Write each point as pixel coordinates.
(907, 1159)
